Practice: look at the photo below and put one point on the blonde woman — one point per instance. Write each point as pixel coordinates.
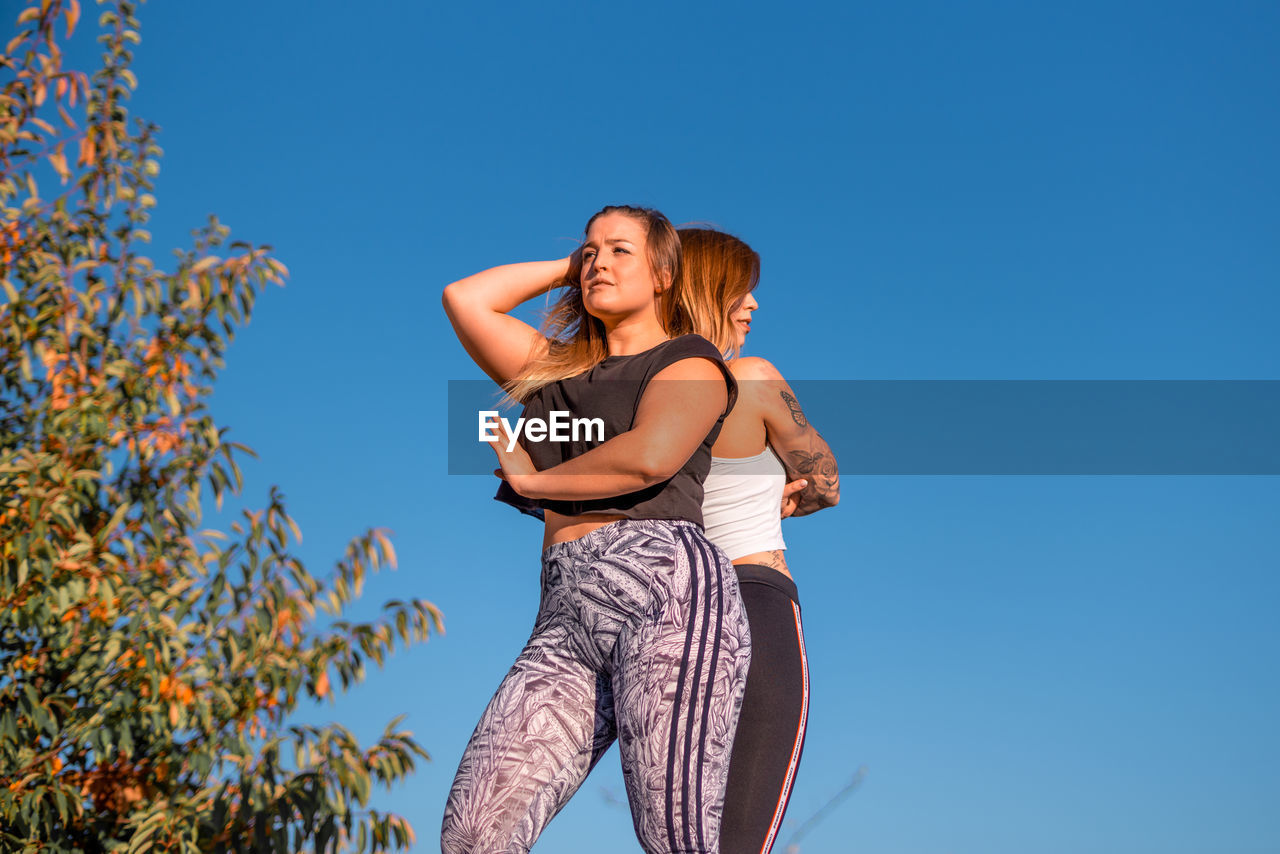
(640, 629)
(765, 442)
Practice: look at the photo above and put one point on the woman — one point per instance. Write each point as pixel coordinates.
(765, 442)
(640, 630)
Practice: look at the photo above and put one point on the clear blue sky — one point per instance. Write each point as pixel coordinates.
(988, 190)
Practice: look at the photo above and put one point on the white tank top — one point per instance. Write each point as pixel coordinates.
(741, 502)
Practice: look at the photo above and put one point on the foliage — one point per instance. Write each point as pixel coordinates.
(148, 669)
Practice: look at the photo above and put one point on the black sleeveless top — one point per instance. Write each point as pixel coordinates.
(611, 391)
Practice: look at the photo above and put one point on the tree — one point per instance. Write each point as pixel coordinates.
(148, 669)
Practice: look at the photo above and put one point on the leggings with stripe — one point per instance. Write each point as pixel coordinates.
(640, 635)
(775, 709)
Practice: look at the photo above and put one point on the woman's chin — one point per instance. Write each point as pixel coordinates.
(595, 311)
(605, 309)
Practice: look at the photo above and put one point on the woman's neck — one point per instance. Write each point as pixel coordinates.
(628, 337)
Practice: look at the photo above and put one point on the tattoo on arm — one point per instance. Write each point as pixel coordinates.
(794, 405)
(804, 454)
(804, 462)
(818, 466)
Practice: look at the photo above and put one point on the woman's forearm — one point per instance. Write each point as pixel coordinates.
(816, 464)
(502, 288)
(621, 465)
(672, 420)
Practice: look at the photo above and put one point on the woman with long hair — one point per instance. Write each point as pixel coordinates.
(640, 630)
(765, 442)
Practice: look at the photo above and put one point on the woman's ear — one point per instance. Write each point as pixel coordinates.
(662, 283)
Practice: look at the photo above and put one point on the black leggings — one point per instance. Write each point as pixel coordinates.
(775, 709)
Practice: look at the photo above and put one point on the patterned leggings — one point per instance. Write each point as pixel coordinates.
(641, 635)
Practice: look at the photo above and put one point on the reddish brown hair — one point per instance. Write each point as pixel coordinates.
(719, 270)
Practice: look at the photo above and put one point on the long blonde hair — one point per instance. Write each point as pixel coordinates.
(576, 340)
(718, 271)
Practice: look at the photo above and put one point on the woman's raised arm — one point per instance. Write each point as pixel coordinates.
(479, 308)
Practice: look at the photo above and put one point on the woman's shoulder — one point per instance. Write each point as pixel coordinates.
(693, 344)
(682, 347)
(753, 368)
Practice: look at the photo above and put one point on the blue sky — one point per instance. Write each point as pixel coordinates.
(939, 191)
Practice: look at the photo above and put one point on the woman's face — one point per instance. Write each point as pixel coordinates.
(740, 318)
(616, 278)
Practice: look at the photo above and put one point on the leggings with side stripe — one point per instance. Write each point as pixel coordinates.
(640, 634)
(775, 710)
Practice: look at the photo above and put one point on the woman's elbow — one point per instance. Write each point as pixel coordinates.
(464, 311)
(654, 463)
(451, 298)
(654, 469)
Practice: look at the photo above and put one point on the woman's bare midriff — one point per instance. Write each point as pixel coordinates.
(562, 529)
(773, 559)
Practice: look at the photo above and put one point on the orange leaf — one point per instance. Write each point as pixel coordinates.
(87, 153)
(73, 16)
(77, 83)
(58, 161)
(322, 685)
(204, 264)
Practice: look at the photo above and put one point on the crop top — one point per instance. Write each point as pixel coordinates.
(741, 508)
(611, 391)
